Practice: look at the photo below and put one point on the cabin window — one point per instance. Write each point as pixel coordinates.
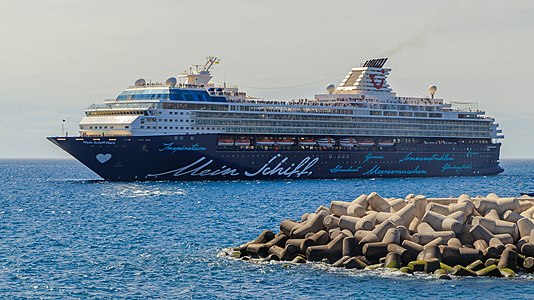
(126, 127)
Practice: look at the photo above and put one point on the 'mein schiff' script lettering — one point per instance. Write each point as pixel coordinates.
(277, 165)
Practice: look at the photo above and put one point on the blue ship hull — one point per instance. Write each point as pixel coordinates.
(198, 157)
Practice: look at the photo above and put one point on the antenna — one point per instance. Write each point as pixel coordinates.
(63, 128)
(225, 69)
(210, 61)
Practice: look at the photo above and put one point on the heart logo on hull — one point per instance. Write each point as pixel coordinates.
(102, 158)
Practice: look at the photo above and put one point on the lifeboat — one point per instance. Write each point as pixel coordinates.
(307, 142)
(284, 142)
(225, 142)
(326, 142)
(242, 142)
(347, 142)
(265, 141)
(365, 143)
(386, 143)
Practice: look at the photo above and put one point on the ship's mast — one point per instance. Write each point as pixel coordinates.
(201, 76)
(210, 60)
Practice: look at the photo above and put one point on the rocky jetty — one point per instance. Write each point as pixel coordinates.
(463, 236)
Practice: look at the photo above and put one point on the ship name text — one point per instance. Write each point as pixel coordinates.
(172, 148)
(277, 165)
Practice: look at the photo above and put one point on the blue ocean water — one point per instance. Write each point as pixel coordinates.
(64, 233)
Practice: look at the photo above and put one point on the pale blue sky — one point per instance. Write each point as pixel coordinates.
(58, 56)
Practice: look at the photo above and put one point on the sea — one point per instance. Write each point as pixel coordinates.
(65, 233)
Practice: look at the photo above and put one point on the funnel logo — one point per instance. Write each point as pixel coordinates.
(377, 85)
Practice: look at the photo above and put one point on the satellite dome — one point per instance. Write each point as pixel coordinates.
(140, 82)
(432, 89)
(171, 81)
(330, 88)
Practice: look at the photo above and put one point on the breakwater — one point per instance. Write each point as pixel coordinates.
(460, 236)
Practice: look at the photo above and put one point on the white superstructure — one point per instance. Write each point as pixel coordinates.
(363, 105)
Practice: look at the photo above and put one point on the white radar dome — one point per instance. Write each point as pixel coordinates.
(171, 81)
(140, 82)
(330, 88)
(432, 89)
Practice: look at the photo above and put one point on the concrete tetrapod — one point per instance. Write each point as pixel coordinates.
(377, 234)
(442, 223)
(330, 222)
(354, 263)
(331, 251)
(288, 225)
(497, 226)
(374, 251)
(351, 247)
(377, 203)
(264, 237)
(301, 244)
(508, 260)
(314, 223)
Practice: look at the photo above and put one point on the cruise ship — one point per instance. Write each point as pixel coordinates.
(188, 128)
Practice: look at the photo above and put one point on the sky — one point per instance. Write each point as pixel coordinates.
(59, 56)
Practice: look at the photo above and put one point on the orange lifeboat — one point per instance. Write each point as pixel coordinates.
(225, 142)
(265, 141)
(365, 143)
(386, 143)
(284, 142)
(242, 142)
(347, 142)
(326, 142)
(307, 142)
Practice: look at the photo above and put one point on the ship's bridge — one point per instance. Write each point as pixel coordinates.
(172, 93)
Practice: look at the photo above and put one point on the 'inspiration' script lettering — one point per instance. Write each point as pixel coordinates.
(171, 147)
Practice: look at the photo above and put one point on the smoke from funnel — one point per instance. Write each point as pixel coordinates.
(426, 35)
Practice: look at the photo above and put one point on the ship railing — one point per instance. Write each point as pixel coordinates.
(160, 84)
(137, 106)
(344, 102)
